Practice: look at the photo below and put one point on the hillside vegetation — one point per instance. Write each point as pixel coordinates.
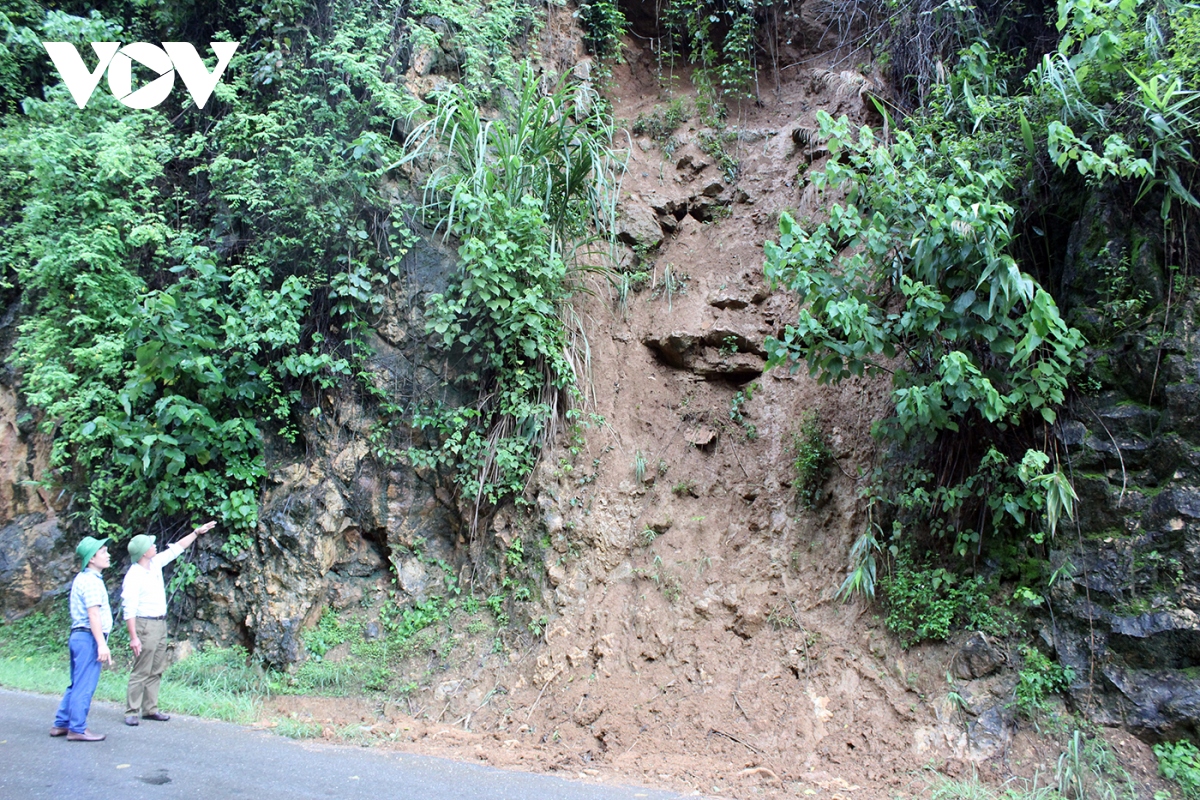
(998, 244)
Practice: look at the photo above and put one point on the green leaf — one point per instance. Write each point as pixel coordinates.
(1027, 135)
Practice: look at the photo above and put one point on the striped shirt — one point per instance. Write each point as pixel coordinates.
(87, 591)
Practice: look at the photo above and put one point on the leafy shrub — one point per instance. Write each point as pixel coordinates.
(1180, 762)
(813, 459)
(935, 261)
(929, 603)
(984, 347)
(961, 294)
(603, 25)
(1038, 678)
(520, 193)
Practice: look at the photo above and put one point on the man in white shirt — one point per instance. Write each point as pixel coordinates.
(144, 601)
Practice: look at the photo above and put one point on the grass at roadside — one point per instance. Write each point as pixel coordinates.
(404, 653)
(202, 697)
(217, 683)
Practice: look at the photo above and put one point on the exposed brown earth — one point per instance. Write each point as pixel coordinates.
(698, 644)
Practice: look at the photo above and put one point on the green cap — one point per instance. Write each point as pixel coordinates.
(138, 546)
(88, 548)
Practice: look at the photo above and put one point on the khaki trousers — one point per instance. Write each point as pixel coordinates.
(142, 695)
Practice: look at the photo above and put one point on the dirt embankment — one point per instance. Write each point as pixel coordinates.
(698, 644)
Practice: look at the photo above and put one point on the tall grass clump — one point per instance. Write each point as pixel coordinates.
(527, 193)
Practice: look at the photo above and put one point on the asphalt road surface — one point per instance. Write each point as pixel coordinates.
(195, 758)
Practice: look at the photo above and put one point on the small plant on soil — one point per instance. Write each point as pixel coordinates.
(671, 588)
(1180, 762)
(684, 487)
(638, 281)
(813, 460)
(639, 467)
(713, 143)
(736, 413)
(781, 619)
(1038, 678)
(538, 626)
(661, 123)
(670, 284)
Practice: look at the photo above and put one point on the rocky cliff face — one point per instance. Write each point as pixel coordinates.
(35, 560)
(336, 523)
(1126, 615)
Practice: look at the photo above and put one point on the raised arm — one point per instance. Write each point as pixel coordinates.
(191, 537)
(175, 548)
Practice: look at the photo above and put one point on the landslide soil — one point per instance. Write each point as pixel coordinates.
(696, 642)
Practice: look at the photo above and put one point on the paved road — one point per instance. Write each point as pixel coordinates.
(195, 758)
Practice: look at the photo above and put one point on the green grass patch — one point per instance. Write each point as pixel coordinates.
(297, 729)
(200, 697)
(216, 682)
(227, 683)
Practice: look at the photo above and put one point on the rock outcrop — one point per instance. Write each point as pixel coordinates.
(1127, 616)
(338, 521)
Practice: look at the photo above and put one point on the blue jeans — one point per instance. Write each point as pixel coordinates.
(85, 674)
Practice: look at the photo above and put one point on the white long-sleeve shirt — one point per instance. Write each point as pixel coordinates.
(143, 593)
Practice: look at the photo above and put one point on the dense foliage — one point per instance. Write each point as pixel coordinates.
(1180, 762)
(720, 37)
(928, 266)
(189, 277)
(480, 35)
(523, 194)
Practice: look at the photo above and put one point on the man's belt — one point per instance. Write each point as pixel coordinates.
(164, 616)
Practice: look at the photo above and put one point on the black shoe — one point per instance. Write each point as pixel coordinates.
(131, 720)
(157, 716)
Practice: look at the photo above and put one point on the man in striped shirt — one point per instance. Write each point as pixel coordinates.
(144, 604)
(91, 622)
